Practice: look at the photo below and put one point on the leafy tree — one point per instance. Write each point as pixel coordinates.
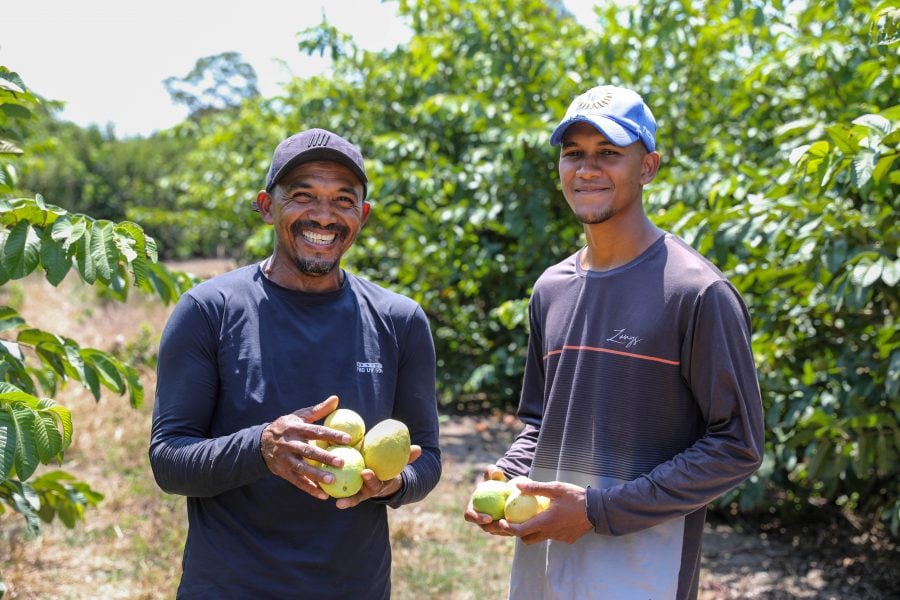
(34, 429)
(97, 173)
(215, 83)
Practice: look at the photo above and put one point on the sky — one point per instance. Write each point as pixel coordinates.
(106, 59)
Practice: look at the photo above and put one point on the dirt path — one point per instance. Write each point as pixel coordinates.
(815, 561)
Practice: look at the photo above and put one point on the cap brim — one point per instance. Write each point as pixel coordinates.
(614, 132)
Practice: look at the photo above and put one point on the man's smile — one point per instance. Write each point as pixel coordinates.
(317, 238)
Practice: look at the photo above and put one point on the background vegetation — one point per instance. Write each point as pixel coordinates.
(779, 130)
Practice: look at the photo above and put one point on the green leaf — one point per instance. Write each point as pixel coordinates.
(54, 258)
(27, 458)
(863, 167)
(67, 232)
(64, 415)
(107, 367)
(139, 267)
(876, 123)
(21, 254)
(9, 319)
(84, 258)
(26, 502)
(47, 437)
(9, 149)
(104, 254)
(883, 167)
(91, 380)
(135, 388)
(843, 138)
(7, 443)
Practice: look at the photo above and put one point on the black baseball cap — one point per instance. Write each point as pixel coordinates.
(311, 145)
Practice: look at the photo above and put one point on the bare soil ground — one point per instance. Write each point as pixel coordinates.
(129, 547)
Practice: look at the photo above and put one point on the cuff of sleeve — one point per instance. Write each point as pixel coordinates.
(255, 438)
(593, 505)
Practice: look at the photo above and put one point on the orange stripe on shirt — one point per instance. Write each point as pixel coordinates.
(610, 351)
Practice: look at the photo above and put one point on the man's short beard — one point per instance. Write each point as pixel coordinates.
(593, 218)
(315, 267)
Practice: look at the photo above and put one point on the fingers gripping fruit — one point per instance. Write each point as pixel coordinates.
(384, 449)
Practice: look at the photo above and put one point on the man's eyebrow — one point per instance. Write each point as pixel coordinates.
(568, 142)
(300, 184)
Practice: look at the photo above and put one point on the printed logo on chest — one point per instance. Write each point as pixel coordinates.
(623, 338)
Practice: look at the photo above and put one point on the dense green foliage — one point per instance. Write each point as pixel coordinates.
(778, 133)
(115, 257)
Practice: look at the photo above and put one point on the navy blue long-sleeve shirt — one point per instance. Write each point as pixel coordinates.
(238, 352)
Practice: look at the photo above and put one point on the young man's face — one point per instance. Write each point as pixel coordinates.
(317, 210)
(600, 180)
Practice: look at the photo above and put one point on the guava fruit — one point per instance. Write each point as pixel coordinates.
(348, 421)
(519, 506)
(386, 448)
(347, 479)
(489, 498)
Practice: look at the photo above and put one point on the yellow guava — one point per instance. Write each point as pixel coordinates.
(386, 449)
(348, 421)
(348, 479)
(489, 498)
(519, 506)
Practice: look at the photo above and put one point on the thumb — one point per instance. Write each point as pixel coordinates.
(311, 414)
(414, 453)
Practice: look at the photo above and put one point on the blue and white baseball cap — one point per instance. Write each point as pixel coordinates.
(618, 113)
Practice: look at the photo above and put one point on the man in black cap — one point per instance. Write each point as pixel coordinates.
(249, 362)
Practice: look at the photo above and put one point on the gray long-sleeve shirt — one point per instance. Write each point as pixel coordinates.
(640, 383)
(240, 351)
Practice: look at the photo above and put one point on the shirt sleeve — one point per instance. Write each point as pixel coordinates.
(416, 406)
(719, 368)
(184, 459)
(518, 458)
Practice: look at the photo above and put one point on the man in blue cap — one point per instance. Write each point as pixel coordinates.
(252, 360)
(640, 400)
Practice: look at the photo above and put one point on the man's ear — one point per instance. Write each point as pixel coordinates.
(649, 167)
(264, 204)
(366, 209)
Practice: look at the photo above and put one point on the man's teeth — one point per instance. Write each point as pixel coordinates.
(318, 238)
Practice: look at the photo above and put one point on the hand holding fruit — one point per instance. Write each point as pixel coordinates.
(496, 502)
(287, 443)
(564, 519)
(373, 487)
(371, 461)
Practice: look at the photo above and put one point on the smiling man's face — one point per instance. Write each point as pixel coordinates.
(599, 179)
(317, 210)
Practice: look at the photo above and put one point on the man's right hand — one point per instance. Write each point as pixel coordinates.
(286, 442)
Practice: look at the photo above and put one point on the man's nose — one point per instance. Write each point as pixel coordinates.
(589, 167)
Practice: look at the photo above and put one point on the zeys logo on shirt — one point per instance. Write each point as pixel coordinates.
(369, 367)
